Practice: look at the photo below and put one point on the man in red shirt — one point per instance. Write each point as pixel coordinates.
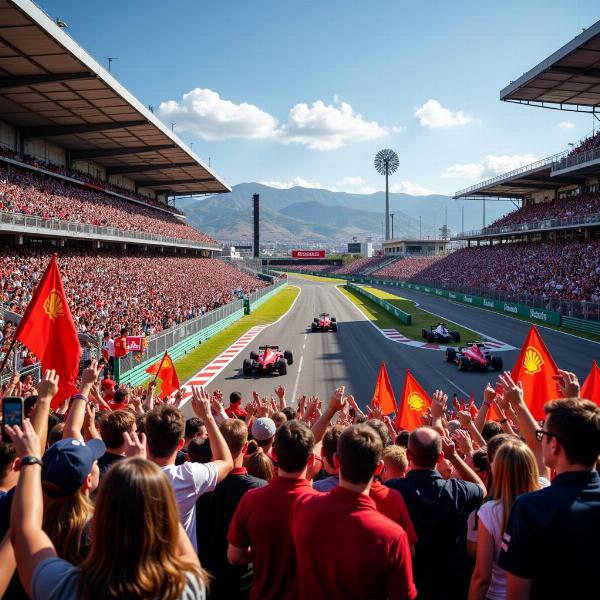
(235, 410)
(345, 548)
(262, 518)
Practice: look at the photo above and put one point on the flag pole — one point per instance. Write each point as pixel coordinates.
(162, 360)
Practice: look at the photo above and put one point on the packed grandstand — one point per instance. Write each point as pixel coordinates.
(129, 491)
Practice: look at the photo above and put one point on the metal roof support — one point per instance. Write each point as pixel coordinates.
(54, 130)
(143, 168)
(109, 152)
(175, 182)
(19, 81)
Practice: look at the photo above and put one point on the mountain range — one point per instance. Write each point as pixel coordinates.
(308, 215)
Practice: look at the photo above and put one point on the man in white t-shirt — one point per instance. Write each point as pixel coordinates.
(165, 426)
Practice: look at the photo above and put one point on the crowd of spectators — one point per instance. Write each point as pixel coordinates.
(136, 502)
(141, 291)
(86, 178)
(582, 205)
(30, 193)
(359, 265)
(407, 268)
(590, 143)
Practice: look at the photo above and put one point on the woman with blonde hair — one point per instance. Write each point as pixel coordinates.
(138, 548)
(260, 465)
(515, 472)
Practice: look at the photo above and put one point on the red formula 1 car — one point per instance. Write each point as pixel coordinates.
(473, 356)
(267, 360)
(324, 322)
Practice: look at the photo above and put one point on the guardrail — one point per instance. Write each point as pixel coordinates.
(59, 226)
(524, 169)
(405, 317)
(539, 225)
(576, 159)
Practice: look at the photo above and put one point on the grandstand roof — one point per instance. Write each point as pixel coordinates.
(569, 79)
(51, 88)
(522, 181)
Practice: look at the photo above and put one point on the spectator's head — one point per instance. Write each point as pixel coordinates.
(56, 433)
(495, 443)
(260, 465)
(481, 466)
(402, 439)
(424, 448)
(114, 425)
(121, 396)
(8, 473)
(571, 434)
(444, 467)
(491, 429)
(279, 419)
(194, 427)
(290, 413)
(381, 429)
(263, 431)
(293, 446)
(395, 463)
(199, 450)
(235, 398)
(453, 425)
(235, 433)
(136, 522)
(358, 455)
(329, 448)
(164, 431)
(124, 331)
(515, 473)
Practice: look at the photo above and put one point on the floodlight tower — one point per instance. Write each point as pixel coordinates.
(386, 163)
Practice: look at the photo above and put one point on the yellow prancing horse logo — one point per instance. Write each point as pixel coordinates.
(415, 401)
(532, 362)
(54, 305)
(167, 364)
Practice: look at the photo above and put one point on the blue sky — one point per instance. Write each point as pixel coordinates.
(282, 91)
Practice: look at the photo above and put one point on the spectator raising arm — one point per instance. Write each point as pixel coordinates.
(220, 450)
(46, 389)
(462, 468)
(76, 415)
(336, 404)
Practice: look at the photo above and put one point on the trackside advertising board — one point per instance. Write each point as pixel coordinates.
(308, 253)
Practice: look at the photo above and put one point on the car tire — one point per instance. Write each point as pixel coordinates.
(247, 367)
(282, 366)
(313, 326)
(424, 333)
(253, 355)
(333, 319)
(288, 357)
(462, 364)
(455, 336)
(450, 354)
(315, 320)
(496, 362)
(334, 326)
(430, 337)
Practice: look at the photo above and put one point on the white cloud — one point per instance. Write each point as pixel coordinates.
(209, 116)
(433, 115)
(354, 185)
(409, 187)
(319, 126)
(323, 126)
(489, 167)
(296, 182)
(565, 125)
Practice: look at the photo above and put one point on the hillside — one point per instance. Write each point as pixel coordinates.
(313, 215)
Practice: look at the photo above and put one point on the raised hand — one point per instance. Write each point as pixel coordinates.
(465, 419)
(201, 402)
(448, 448)
(439, 401)
(47, 388)
(463, 439)
(135, 446)
(488, 393)
(90, 375)
(25, 440)
(280, 392)
(568, 384)
(337, 402)
(513, 392)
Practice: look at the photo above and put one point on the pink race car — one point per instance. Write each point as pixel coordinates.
(473, 356)
(324, 322)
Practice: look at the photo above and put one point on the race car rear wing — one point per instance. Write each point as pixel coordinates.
(268, 347)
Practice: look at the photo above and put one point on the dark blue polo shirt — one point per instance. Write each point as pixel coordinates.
(553, 538)
(439, 509)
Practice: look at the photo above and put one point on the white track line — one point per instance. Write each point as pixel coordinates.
(215, 366)
(297, 379)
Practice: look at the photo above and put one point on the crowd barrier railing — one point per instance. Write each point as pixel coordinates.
(404, 317)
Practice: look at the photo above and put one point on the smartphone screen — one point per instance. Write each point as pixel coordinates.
(28, 406)
(12, 414)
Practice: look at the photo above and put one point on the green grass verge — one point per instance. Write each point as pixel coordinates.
(421, 319)
(316, 277)
(267, 313)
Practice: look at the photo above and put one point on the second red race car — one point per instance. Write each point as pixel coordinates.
(324, 322)
(268, 359)
(473, 357)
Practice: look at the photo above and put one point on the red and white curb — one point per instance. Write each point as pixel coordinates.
(213, 368)
(395, 336)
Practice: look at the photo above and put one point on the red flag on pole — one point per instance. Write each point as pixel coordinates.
(536, 370)
(384, 393)
(48, 330)
(590, 390)
(164, 370)
(414, 402)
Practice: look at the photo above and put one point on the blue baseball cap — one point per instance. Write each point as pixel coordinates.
(67, 463)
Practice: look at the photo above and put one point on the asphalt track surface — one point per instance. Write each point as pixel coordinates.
(352, 356)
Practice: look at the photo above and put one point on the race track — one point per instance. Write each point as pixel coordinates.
(352, 356)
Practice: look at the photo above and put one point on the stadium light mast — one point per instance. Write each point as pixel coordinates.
(386, 163)
(392, 216)
(110, 59)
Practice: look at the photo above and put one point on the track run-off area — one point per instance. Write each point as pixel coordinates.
(352, 356)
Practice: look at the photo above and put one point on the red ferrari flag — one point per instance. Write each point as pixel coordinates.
(414, 402)
(590, 390)
(164, 370)
(47, 329)
(384, 393)
(536, 370)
